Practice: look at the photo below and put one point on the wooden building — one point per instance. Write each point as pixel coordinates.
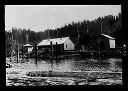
(111, 40)
(28, 47)
(61, 44)
(106, 42)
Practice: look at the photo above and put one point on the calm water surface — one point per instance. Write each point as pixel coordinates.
(111, 64)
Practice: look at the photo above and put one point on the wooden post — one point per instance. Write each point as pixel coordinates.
(51, 48)
(99, 48)
(114, 54)
(27, 52)
(11, 46)
(11, 56)
(22, 53)
(17, 52)
(99, 55)
(108, 51)
(124, 50)
(92, 55)
(51, 56)
(56, 52)
(62, 50)
(36, 53)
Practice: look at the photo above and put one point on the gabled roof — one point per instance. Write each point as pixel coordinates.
(58, 40)
(108, 36)
(28, 45)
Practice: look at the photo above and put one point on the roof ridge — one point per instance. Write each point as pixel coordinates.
(108, 36)
(58, 40)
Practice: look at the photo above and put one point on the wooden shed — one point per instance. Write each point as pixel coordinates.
(29, 47)
(111, 40)
(106, 42)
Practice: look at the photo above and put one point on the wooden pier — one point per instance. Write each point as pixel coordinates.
(77, 54)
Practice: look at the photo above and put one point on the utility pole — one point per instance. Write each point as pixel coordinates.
(78, 38)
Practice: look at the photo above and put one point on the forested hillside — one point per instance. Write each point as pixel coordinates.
(81, 33)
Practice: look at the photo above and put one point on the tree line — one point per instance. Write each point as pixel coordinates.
(81, 33)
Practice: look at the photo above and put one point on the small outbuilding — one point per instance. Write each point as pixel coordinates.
(29, 47)
(105, 42)
(111, 40)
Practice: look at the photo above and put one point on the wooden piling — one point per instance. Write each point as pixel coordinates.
(99, 54)
(36, 53)
(17, 52)
(62, 49)
(51, 59)
(11, 57)
(51, 48)
(92, 55)
(27, 52)
(56, 52)
(99, 51)
(22, 52)
(107, 51)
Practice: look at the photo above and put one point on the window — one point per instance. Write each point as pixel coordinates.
(66, 46)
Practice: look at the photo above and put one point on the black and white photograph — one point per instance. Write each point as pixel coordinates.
(49, 45)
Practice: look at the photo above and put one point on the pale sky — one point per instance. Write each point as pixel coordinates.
(42, 17)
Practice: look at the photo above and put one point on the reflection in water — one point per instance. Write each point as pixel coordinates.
(111, 64)
(63, 65)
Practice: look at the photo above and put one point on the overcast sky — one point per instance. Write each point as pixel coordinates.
(42, 17)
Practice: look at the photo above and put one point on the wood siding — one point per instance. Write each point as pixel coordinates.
(68, 45)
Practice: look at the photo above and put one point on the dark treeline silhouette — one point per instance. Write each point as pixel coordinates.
(81, 33)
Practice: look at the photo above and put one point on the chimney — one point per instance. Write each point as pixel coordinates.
(62, 37)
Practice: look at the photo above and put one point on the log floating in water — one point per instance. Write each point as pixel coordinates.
(84, 75)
